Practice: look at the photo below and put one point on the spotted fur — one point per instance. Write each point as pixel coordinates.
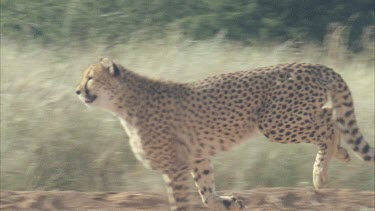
(176, 127)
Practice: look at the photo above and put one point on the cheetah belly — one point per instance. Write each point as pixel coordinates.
(135, 142)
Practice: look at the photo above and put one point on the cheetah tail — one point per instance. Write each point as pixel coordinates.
(346, 121)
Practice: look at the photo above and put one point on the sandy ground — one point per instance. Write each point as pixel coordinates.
(256, 199)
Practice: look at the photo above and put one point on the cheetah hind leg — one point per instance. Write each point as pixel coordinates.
(326, 151)
(320, 171)
(341, 153)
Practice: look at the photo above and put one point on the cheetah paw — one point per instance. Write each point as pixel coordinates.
(319, 179)
(232, 203)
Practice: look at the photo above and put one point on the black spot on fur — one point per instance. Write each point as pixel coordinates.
(366, 148)
(206, 172)
(199, 161)
(348, 113)
(367, 158)
(341, 121)
(354, 131)
(358, 140)
(351, 123)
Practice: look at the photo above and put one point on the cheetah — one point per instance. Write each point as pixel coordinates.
(176, 128)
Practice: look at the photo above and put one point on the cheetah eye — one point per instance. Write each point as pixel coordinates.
(89, 78)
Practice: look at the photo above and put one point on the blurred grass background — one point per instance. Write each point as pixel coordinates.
(51, 141)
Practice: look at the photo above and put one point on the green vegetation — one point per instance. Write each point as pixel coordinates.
(51, 141)
(116, 21)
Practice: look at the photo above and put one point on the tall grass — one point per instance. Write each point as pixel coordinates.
(51, 141)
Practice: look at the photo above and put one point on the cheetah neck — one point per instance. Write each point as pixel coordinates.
(136, 95)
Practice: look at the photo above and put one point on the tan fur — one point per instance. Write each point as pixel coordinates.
(176, 127)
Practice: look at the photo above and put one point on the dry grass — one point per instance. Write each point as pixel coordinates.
(49, 140)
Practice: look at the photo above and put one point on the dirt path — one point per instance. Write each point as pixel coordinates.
(256, 199)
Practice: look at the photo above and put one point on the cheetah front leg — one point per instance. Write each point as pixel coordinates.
(177, 180)
(203, 175)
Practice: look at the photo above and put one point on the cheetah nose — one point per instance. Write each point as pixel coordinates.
(78, 92)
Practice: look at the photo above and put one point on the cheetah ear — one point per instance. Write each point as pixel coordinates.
(114, 70)
(110, 66)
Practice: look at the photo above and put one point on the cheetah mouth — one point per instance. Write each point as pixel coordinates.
(90, 98)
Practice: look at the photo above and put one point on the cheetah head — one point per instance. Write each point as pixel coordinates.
(100, 83)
